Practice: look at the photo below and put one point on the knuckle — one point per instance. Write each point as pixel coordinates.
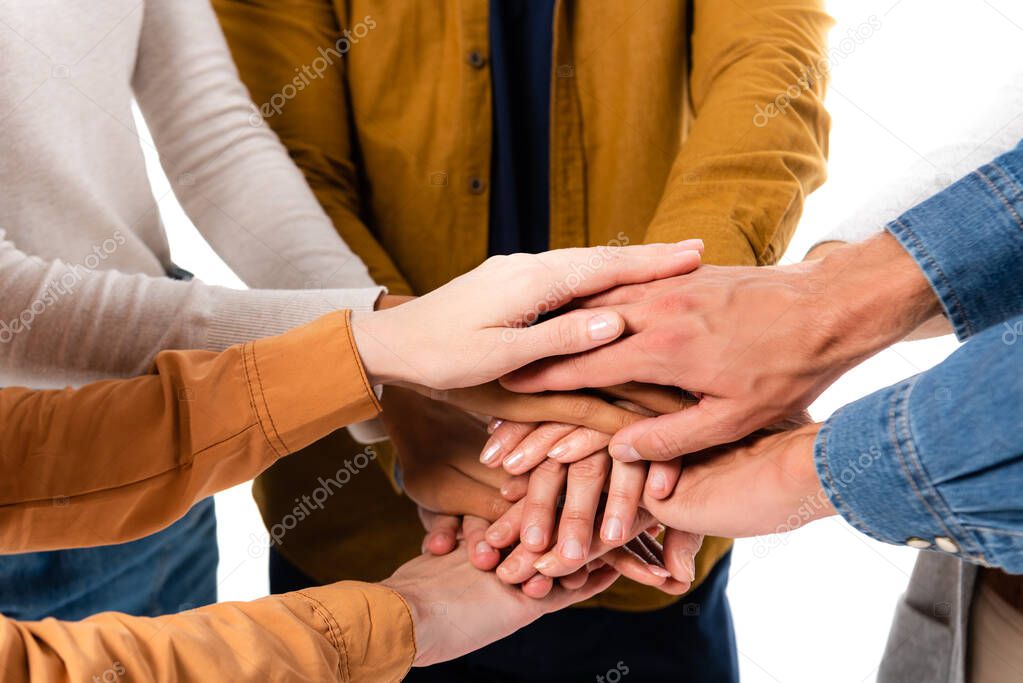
(562, 335)
(580, 408)
(549, 467)
(664, 442)
(589, 469)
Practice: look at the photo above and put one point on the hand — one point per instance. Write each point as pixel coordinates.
(755, 344)
(443, 533)
(457, 609)
(642, 559)
(437, 446)
(774, 473)
(479, 326)
(520, 446)
(574, 408)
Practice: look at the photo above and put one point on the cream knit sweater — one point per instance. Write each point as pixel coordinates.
(82, 268)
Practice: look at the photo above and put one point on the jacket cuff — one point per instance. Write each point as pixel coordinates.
(241, 316)
(869, 468)
(371, 627)
(308, 382)
(967, 237)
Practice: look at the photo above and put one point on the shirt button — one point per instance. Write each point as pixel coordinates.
(946, 544)
(918, 543)
(476, 60)
(477, 186)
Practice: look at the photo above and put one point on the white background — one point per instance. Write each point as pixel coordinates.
(815, 604)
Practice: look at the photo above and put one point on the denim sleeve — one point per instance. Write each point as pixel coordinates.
(936, 461)
(968, 239)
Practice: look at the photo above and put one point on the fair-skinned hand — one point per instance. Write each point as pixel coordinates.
(457, 609)
(775, 473)
(640, 559)
(754, 344)
(479, 326)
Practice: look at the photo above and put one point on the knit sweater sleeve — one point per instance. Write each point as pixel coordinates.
(232, 175)
(68, 324)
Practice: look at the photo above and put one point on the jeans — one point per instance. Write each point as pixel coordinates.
(691, 640)
(170, 571)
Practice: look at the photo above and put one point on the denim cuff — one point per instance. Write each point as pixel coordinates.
(872, 474)
(968, 240)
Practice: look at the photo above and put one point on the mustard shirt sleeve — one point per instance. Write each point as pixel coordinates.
(347, 632)
(742, 175)
(118, 460)
(284, 47)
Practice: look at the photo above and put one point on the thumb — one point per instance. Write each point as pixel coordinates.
(669, 436)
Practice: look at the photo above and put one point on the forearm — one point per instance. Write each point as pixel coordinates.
(231, 173)
(738, 185)
(61, 325)
(200, 421)
(277, 45)
(344, 632)
(934, 462)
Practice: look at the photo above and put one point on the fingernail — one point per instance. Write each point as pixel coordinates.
(509, 566)
(613, 529)
(688, 253)
(690, 245)
(544, 563)
(533, 536)
(498, 532)
(558, 451)
(659, 571)
(482, 548)
(624, 452)
(658, 482)
(494, 424)
(490, 453)
(514, 459)
(572, 550)
(603, 327)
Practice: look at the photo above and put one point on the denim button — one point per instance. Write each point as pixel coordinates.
(946, 544)
(919, 543)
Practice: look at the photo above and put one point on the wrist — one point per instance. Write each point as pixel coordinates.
(873, 295)
(373, 336)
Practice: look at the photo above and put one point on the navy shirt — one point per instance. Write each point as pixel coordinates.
(521, 38)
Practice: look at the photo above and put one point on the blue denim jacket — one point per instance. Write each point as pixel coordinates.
(936, 461)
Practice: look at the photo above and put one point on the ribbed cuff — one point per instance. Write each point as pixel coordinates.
(241, 316)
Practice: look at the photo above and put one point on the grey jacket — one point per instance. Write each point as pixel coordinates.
(929, 635)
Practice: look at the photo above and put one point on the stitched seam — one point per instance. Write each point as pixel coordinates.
(933, 264)
(992, 530)
(851, 515)
(333, 631)
(252, 401)
(266, 405)
(358, 362)
(998, 191)
(894, 421)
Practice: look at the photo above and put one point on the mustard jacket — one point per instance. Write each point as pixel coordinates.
(669, 120)
(70, 476)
